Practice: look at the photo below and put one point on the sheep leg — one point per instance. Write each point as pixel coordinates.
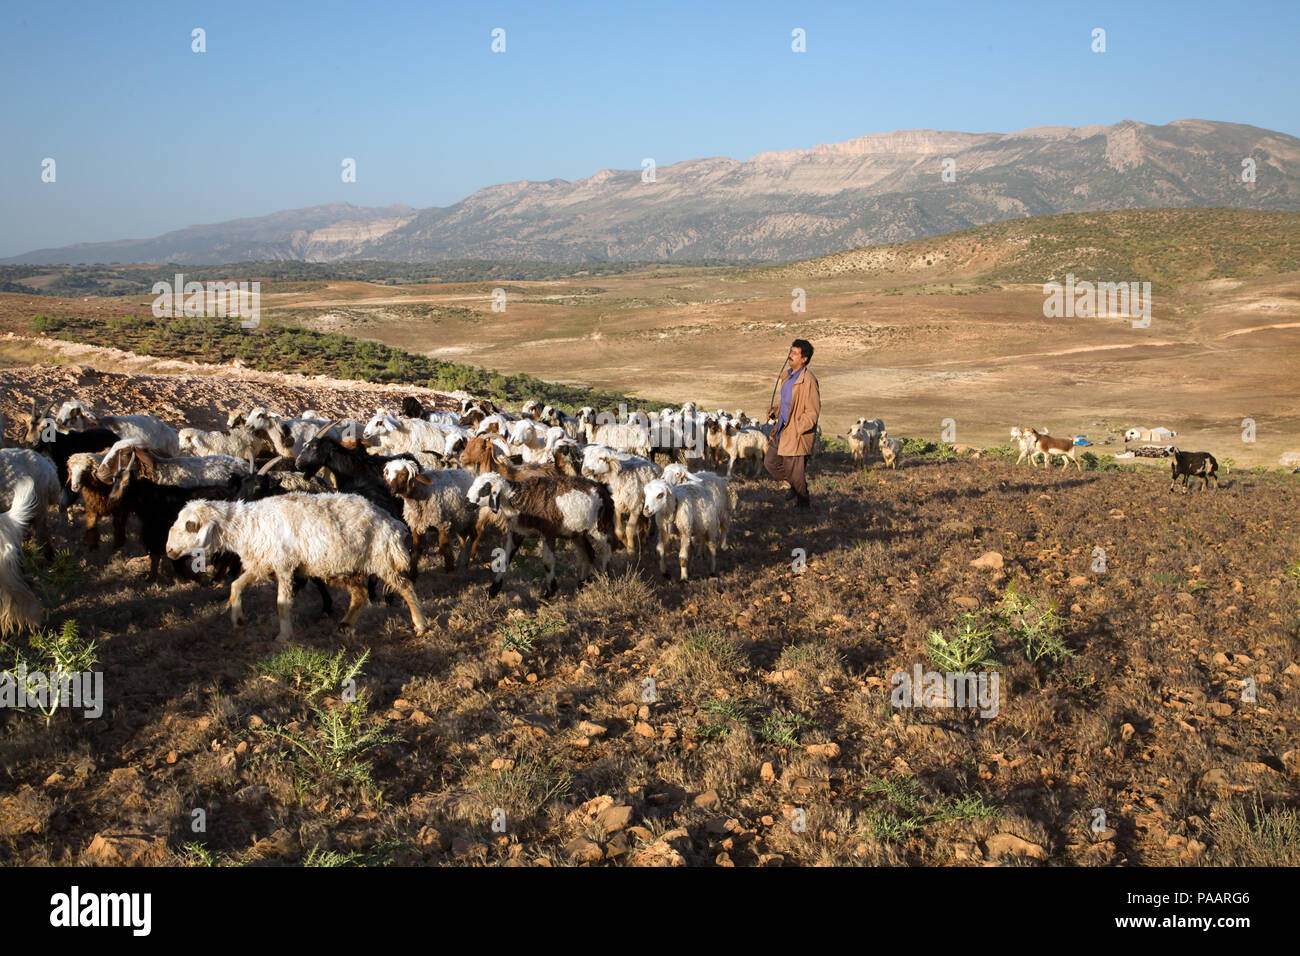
(92, 531)
(601, 551)
(359, 599)
(326, 600)
(662, 548)
(548, 559)
(444, 545)
(631, 537)
(495, 587)
(41, 532)
(713, 556)
(417, 545)
(684, 555)
(403, 587)
(471, 544)
(586, 557)
(119, 531)
(483, 519)
(284, 604)
(236, 600)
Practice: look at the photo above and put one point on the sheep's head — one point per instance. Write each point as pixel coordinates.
(196, 529)
(80, 466)
(489, 490)
(530, 409)
(260, 418)
(598, 462)
(399, 475)
(186, 440)
(453, 445)
(412, 408)
(382, 424)
(75, 416)
(236, 418)
(676, 473)
(568, 457)
(477, 454)
(587, 415)
(658, 496)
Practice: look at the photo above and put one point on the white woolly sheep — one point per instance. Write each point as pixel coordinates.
(435, 500)
(187, 472)
(287, 435)
(689, 512)
(338, 538)
(239, 442)
(17, 464)
(19, 607)
(398, 435)
(724, 493)
(891, 449)
(149, 431)
(626, 478)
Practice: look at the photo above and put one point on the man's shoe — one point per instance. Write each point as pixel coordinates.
(803, 504)
(789, 494)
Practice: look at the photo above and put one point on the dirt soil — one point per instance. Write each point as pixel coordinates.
(743, 720)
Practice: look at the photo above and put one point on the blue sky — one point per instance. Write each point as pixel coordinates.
(149, 136)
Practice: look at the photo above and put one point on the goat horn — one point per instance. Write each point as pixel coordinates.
(271, 464)
(332, 424)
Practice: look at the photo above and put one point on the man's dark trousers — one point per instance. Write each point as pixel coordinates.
(786, 467)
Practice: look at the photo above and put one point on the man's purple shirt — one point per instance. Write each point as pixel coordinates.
(787, 390)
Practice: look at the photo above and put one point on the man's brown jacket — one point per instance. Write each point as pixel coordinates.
(805, 406)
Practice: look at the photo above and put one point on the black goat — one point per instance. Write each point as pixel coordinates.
(66, 444)
(1193, 464)
(356, 471)
(159, 505)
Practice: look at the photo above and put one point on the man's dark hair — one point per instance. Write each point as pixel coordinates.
(804, 346)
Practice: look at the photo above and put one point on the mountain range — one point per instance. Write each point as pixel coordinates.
(776, 206)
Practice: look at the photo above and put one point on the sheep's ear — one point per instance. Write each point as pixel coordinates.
(494, 499)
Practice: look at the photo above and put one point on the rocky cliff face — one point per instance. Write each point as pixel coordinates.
(795, 204)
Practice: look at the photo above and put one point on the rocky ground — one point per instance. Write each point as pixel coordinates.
(744, 720)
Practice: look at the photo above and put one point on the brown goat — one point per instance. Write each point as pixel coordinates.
(95, 496)
(1047, 446)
